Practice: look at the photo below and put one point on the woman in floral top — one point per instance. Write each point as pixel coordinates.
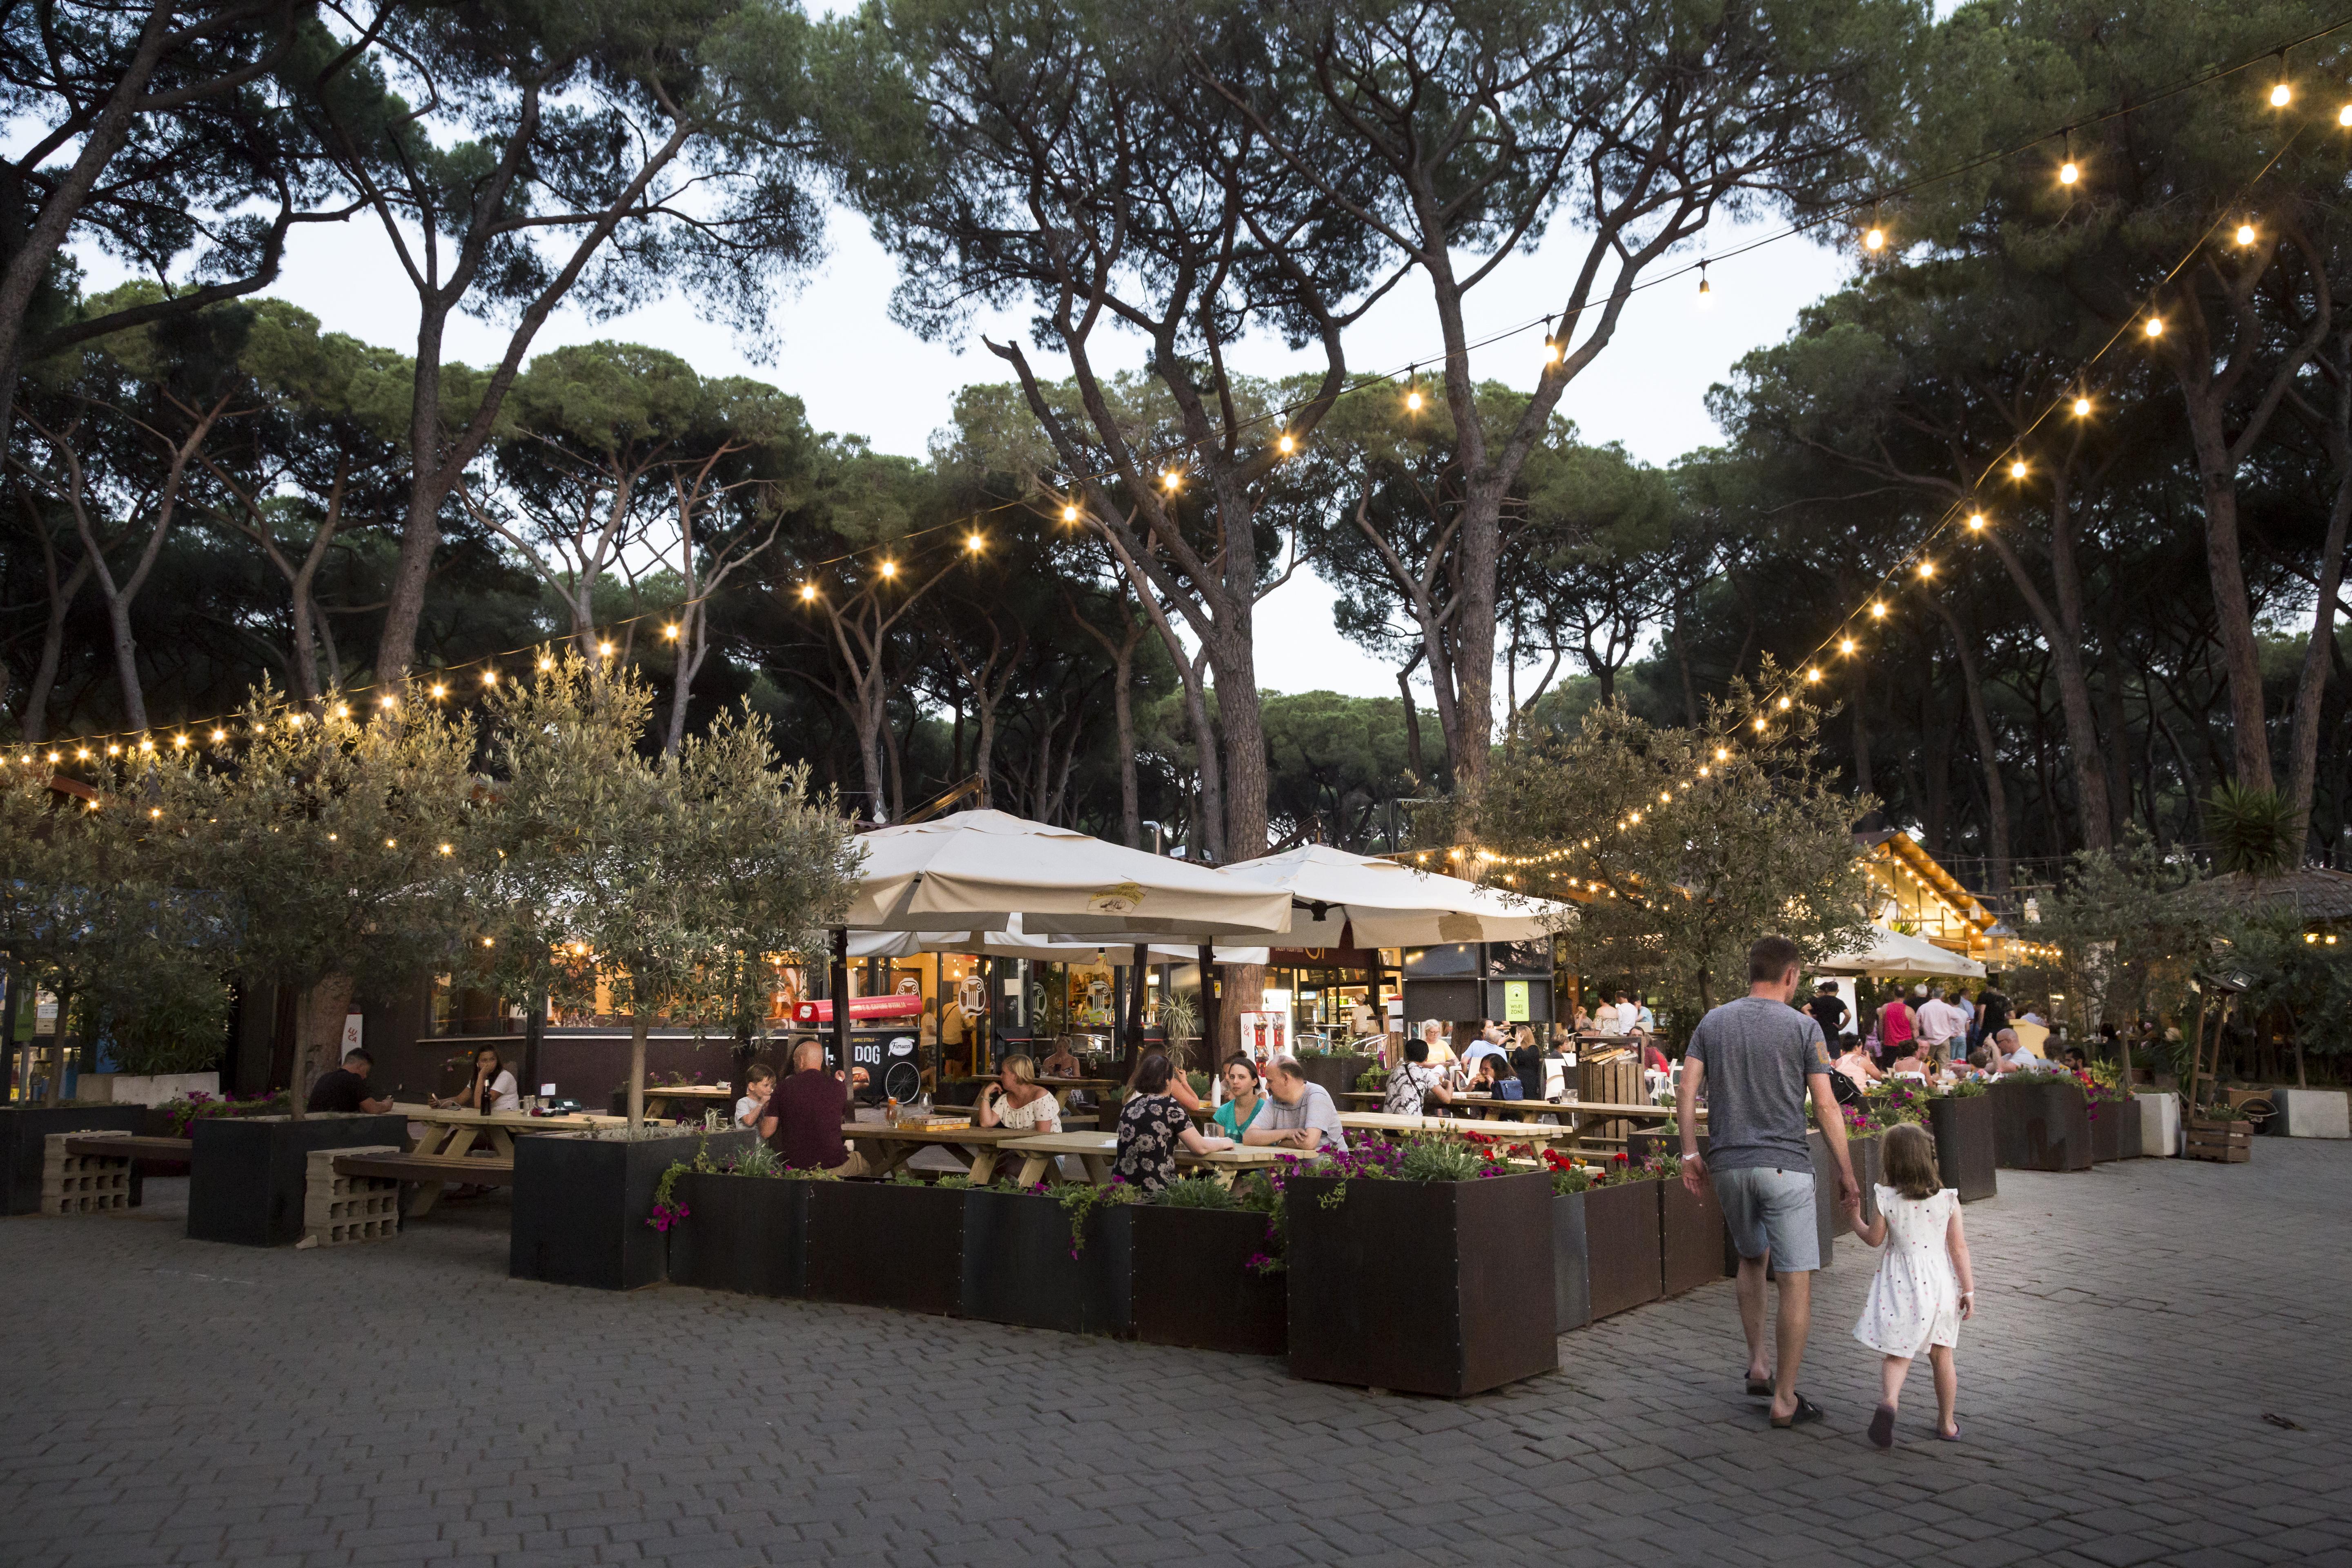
(1152, 1127)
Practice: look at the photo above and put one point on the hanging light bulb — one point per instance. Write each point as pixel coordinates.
(219, 735)
(1760, 722)
(808, 592)
(2081, 407)
(546, 664)
(670, 631)
(1169, 479)
(974, 543)
(1784, 702)
(2017, 469)
(1069, 514)
(1926, 569)
(889, 568)
(1411, 390)
(1706, 289)
(1723, 753)
(81, 753)
(2344, 115)
(2282, 94)
(2067, 172)
(1551, 349)
(439, 691)
(1845, 644)
(1813, 675)
(2245, 234)
(1976, 521)
(1878, 612)
(2155, 326)
(1875, 240)
(490, 678)
(1288, 444)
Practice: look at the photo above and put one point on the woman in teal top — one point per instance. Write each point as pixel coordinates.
(1243, 1100)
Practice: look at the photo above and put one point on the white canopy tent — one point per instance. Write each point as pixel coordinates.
(1893, 952)
(977, 869)
(1335, 894)
(1013, 942)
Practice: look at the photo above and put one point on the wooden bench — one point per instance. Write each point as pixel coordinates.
(127, 1146)
(425, 1173)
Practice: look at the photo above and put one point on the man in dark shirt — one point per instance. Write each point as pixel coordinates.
(1828, 1009)
(801, 1120)
(1992, 1012)
(345, 1089)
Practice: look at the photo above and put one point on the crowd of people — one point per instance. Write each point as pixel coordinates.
(1935, 1035)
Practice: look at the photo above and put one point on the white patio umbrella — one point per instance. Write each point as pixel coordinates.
(1386, 904)
(975, 870)
(1894, 952)
(1013, 942)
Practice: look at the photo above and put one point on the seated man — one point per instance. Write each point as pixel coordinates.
(345, 1088)
(1298, 1115)
(2014, 1058)
(802, 1119)
(1415, 1083)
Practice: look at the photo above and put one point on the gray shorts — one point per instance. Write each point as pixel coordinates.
(1769, 1210)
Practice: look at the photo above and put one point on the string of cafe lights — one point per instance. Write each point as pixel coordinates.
(486, 669)
(1968, 514)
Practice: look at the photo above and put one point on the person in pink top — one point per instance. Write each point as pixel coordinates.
(1894, 1027)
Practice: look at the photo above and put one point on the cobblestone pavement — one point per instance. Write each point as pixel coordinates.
(169, 1401)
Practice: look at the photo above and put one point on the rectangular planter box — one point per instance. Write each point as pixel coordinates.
(1571, 1266)
(2107, 1124)
(1622, 1245)
(878, 1243)
(2160, 1125)
(580, 1206)
(1862, 1154)
(1337, 1074)
(2042, 1125)
(1017, 1267)
(2224, 1142)
(23, 1140)
(2311, 1113)
(1441, 1288)
(1967, 1144)
(249, 1176)
(744, 1234)
(1692, 1245)
(1825, 1203)
(1192, 1285)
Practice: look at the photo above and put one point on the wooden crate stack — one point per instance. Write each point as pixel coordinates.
(2226, 1142)
(338, 1210)
(83, 1184)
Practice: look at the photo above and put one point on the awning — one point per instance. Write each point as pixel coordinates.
(1893, 952)
(1384, 904)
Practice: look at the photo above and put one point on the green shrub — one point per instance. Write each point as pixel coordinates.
(1198, 1193)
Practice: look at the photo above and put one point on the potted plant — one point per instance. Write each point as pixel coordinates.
(1059, 1261)
(897, 1243)
(584, 1203)
(2221, 1132)
(1207, 1270)
(1622, 1242)
(1960, 1119)
(1422, 1268)
(2041, 1122)
(736, 1222)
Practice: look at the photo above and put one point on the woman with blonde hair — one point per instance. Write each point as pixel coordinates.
(1016, 1099)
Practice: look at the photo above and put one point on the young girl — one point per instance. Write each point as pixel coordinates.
(1924, 1287)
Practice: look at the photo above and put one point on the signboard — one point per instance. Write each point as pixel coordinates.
(888, 1006)
(1514, 1002)
(1265, 1035)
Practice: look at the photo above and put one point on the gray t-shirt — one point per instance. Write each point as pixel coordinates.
(1314, 1110)
(1757, 1054)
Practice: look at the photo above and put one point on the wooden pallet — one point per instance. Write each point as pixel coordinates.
(2224, 1142)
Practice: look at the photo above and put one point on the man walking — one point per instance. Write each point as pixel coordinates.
(1761, 1059)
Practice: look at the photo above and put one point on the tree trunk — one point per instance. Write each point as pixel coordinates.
(1130, 800)
(641, 1026)
(2232, 612)
(2311, 682)
(1989, 759)
(1411, 721)
(2061, 632)
(35, 721)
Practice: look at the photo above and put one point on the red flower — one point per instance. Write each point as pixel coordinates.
(1622, 1158)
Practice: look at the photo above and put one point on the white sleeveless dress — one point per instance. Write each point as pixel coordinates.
(1914, 1296)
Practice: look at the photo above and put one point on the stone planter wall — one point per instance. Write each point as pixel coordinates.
(1694, 1247)
(1571, 1265)
(1441, 1288)
(2311, 1113)
(152, 1089)
(1337, 1074)
(2160, 1125)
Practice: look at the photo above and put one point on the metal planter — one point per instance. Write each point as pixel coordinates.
(1571, 1267)
(1441, 1288)
(1693, 1246)
(2107, 1124)
(1018, 1266)
(881, 1244)
(744, 1234)
(2042, 1125)
(248, 1176)
(1967, 1146)
(580, 1206)
(1192, 1284)
(1337, 1074)
(1621, 1242)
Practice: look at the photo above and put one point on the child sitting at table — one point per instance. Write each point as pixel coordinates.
(761, 1080)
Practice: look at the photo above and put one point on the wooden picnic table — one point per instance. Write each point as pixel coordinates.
(1481, 1104)
(1096, 1151)
(887, 1147)
(1064, 1088)
(700, 1096)
(1382, 1122)
(451, 1132)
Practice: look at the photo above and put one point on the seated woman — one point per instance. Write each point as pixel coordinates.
(1016, 1099)
(1061, 1064)
(492, 1090)
(1652, 1059)
(1493, 1075)
(1244, 1097)
(1855, 1063)
(1582, 1023)
(1908, 1063)
(1152, 1126)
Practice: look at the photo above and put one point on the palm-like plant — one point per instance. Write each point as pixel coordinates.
(2253, 831)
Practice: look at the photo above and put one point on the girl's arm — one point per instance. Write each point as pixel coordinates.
(1956, 1241)
(1871, 1234)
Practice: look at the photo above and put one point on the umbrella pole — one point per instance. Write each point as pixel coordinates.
(838, 984)
(1141, 956)
(1210, 1036)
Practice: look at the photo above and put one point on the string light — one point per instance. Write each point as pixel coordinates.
(1784, 704)
(1412, 390)
(545, 664)
(2067, 172)
(1168, 478)
(2344, 115)
(605, 649)
(342, 710)
(1069, 514)
(388, 700)
(1706, 289)
(2282, 94)
(2017, 469)
(1759, 723)
(1877, 611)
(973, 543)
(218, 736)
(1875, 240)
(1723, 753)
(1288, 444)
(1976, 521)
(889, 568)
(2245, 234)
(2081, 407)
(446, 848)
(808, 592)
(2155, 326)
(439, 691)
(1811, 676)
(1926, 569)
(490, 678)
(179, 743)
(670, 631)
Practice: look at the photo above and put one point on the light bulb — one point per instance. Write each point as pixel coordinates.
(1845, 644)
(81, 753)
(1551, 350)
(446, 848)
(1287, 445)
(808, 591)
(1784, 702)
(113, 749)
(177, 741)
(973, 543)
(2081, 407)
(1706, 289)
(2017, 469)
(1976, 519)
(1875, 240)
(2155, 326)
(1168, 478)
(439, 691)
(1759, 723)
(2282, 95)
(1413, 401)
(1069, 514)
(2245, 234)
(2068, 173)
(1723, 753)
(490, 678)
(388, 701)
(604, 648)
(670, 631)
(2344, 115)
(889, 568)
(219, 735)
(1878, 612)
(1813, 675)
